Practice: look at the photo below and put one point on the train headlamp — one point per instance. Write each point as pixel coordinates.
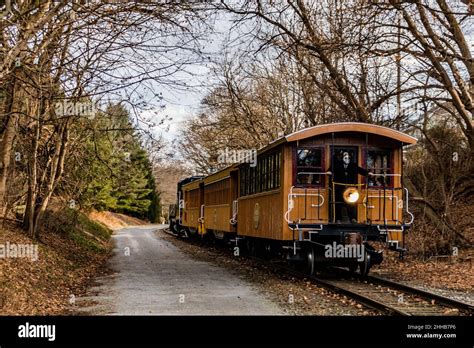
(351, 195)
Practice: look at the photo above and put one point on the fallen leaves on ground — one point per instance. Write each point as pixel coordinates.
(49, 285)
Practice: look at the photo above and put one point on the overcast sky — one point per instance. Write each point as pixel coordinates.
(182, 105)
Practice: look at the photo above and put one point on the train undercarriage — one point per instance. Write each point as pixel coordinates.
(331, 245)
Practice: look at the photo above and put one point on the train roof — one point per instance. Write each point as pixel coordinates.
(342, 127)
(351, 127)
(218, 176)
(190, 179)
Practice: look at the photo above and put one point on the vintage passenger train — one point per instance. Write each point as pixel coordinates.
(335, 186)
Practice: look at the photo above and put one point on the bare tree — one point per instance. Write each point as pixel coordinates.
(80, 53)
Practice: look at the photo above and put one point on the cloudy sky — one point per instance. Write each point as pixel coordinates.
(183, 104)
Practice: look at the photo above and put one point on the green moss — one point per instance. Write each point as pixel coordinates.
(86, 242)
(93, 227)
(86, 233)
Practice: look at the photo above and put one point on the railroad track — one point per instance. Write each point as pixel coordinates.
(385, 295)
(381, 294)
(391, 297)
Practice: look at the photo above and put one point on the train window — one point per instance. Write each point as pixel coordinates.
(309, 165)
(192, 199)
(242, 180)
(249, 180)
(309, 158)
(277, 170)
(252, 181)
(271, 172)
(268, 185)
(258, 176)
(266, 173)
(217, 193)
(379, 163)
(274, 164)
(264, 177)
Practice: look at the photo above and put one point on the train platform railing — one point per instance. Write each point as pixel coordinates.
(307, 192)
(397, 201)
(381, 193)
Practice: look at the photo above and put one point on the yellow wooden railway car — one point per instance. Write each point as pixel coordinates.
(317, 195)
(191, 205)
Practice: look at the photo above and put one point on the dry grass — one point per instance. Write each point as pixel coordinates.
(453, 273)
(69, 257)
(430, 259)
(424, 240)
(114, 220)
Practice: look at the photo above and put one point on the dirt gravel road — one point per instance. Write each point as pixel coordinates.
(150, 276)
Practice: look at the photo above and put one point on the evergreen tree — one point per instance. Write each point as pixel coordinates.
(119, 173)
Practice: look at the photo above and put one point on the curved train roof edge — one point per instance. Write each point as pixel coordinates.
(351, 127)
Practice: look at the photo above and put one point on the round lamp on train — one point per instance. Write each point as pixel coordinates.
(351, 195)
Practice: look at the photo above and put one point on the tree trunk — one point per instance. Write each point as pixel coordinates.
(56, 171)
(6, 141)
(28, 222)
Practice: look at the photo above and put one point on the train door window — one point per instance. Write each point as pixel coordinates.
(309, 163)
(379, 163)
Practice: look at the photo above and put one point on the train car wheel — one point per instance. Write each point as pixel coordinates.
(253, 248)
(310, 261)
(247, 246)
(184, 233)
(267, 250)
(365, 265)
